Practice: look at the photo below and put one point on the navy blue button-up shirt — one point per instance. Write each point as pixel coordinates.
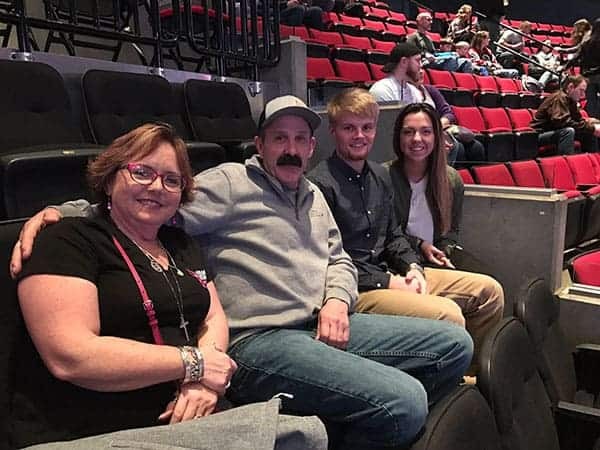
(362, 204)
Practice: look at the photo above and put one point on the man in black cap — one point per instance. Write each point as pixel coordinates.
(403, 65)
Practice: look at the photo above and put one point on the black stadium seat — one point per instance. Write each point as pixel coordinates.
(220, 112)
(10, 327)
(117, 102)
(43, 155)
(460, 421)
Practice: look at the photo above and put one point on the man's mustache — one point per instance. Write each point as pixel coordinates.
(289, 160)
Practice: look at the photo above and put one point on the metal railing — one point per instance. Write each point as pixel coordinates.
(223, 35)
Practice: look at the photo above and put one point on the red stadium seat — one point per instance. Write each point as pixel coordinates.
(499, 145)
(466, 176)
(526, 142)
(509, 93)
(359, 42)
(400, 30)
(557, 174)
(488, 95)
(586, 268)
(495, 175)
(350, 65)
(529, 174)
(582, 169)
(326, 37)
(386, 46)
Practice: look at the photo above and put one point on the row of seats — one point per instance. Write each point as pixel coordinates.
(505, 132)
(44, 152)
(466, 89)
(528, 382)
(576, 176)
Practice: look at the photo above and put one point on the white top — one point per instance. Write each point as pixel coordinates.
(389, 89)
(420, 219)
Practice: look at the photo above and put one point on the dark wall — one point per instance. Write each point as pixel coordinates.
(547, 11)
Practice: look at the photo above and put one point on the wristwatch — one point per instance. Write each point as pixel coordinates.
(415, 266)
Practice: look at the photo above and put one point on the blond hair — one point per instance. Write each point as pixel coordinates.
(525, 24)
(356, 101)
(466, 8)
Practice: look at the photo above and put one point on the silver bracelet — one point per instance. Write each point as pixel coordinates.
(193, 363)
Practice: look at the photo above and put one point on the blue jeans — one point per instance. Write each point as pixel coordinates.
(563, 138)
(378, 389)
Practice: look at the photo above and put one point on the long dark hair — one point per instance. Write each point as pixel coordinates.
(439, 192)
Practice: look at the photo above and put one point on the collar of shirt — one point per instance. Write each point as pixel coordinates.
(351, 174)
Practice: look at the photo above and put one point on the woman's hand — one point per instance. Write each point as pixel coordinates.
(218, 368)
(193, 400)
(435, 255)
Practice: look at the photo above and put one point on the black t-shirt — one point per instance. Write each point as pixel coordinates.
(46, 409)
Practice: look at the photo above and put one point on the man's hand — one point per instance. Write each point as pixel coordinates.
(435, 255)
(194, 400)
(597, 130)
(334, 327)
(218, 368)
(22, 249)
(404, 284)
(415, 276)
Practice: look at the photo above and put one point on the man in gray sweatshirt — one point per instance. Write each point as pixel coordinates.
(288, 289)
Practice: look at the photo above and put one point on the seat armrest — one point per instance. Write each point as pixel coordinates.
(587, 366)
(585, 414)
(577, 426)
(585, 187)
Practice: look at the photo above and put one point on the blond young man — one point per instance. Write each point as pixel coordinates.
(391, 279)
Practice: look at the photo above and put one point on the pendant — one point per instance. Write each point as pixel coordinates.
(183, 325)
(156, 266)
(179, 272)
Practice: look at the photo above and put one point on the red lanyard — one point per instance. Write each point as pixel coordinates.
(146, 302)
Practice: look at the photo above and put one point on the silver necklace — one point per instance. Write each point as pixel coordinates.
(175, 292)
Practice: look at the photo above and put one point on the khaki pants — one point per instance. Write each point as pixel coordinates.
(467, 299)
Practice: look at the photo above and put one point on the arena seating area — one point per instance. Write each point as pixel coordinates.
(525, 397)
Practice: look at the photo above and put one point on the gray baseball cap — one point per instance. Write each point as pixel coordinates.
(287, 105)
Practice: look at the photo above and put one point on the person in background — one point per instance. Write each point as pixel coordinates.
(513, 41)
(588, 58)
(446, 45)
(549, 62)
(302, 12)
(462, 49)
(429, 56)
(462, 146)
(461, 28)
(403, 64)
(582, 29)
(484, 60)
(97, 358)
(559, 120)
